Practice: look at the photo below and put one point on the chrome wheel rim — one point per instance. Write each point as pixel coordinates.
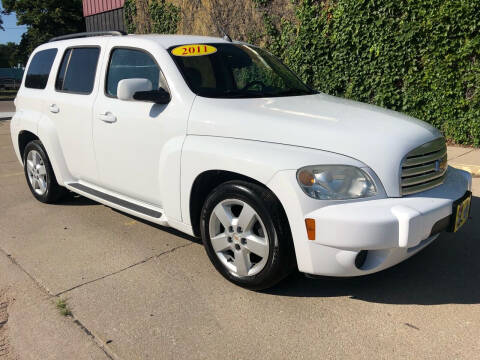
(239, 237)
(37, 173)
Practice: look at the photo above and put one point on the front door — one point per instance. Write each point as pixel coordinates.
(129, 135)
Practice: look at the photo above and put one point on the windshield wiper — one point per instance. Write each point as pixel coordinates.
(241, 94)
(294, 92)
(236, 94)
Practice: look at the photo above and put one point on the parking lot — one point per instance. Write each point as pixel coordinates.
(140, 291)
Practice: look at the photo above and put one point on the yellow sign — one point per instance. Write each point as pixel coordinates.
(194, 50)
(461, 215)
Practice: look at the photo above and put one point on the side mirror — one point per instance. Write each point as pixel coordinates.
(159, 96)
(127, 88)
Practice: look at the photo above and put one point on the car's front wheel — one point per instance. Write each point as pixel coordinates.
(246, 235)
(39, 173)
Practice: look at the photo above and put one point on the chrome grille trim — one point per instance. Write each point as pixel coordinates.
(418, 169)
(424, 167)
(417, 160)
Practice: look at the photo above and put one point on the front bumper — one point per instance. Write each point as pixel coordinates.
(391, 229)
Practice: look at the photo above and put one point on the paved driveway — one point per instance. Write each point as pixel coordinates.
(7, 109)
(139, 291)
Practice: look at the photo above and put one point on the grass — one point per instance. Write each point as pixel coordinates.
(63, 307)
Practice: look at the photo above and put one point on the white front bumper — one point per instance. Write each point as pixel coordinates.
(391, 229)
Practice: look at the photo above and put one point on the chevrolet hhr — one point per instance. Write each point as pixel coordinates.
(220, 140)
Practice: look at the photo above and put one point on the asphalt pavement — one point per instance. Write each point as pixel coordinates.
(141, 291)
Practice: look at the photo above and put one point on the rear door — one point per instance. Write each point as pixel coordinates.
(71, 105)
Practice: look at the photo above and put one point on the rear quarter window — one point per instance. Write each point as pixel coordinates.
(39, 69)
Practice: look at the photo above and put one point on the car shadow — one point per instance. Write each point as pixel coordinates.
(447, 271)
(73, 199)
(156, 110)
(162, 228)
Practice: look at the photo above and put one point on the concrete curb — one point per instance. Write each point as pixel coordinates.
(472, 169)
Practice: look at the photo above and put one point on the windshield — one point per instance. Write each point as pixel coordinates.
(236, 71)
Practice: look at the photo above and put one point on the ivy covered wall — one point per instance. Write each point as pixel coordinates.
(151, 16)
(420, 57)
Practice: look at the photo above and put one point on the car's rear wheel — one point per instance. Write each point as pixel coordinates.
(39, 174)
(246, 235)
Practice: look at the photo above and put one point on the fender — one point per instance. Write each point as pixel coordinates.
(255, 159)
(43, 128)
(23, 120)
(47, 134)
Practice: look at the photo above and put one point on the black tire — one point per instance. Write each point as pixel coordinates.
(281, 259)
(54, 192)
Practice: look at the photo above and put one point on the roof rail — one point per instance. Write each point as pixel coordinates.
(88, 34)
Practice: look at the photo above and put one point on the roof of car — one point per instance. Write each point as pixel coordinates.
(166, 41)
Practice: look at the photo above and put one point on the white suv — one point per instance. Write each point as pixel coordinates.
(219, 139)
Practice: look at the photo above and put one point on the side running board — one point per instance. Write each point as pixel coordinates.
(120, 202)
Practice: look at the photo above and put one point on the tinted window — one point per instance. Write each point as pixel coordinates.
(77, 71)
(129, 64)
(239, 71)
(39, 69)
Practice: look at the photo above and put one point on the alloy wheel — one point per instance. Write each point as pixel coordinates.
(37, 173)
(239, 237)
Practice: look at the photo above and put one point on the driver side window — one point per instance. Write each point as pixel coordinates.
(129, 64)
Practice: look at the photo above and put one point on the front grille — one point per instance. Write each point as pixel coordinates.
(424, 167)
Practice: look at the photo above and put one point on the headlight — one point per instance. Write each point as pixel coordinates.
(335, 182)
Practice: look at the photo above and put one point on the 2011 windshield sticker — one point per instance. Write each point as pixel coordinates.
(194, 50)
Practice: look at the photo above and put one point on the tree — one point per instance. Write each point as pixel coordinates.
(8, 53)
(45, 19)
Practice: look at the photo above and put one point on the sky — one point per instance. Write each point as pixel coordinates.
(12, 32)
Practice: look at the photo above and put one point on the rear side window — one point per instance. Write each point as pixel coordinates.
(39, 69)
(129, 64)
(77, 70)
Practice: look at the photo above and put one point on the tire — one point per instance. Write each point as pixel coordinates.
(257, 256)
(39, 174)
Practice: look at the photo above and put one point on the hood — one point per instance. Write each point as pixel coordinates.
(377, 137)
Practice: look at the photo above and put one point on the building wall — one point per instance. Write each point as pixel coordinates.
(104, 15)
(92, 7)
(106, 21)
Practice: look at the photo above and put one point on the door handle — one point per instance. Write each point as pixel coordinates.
(54, 108)
(107, 117)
